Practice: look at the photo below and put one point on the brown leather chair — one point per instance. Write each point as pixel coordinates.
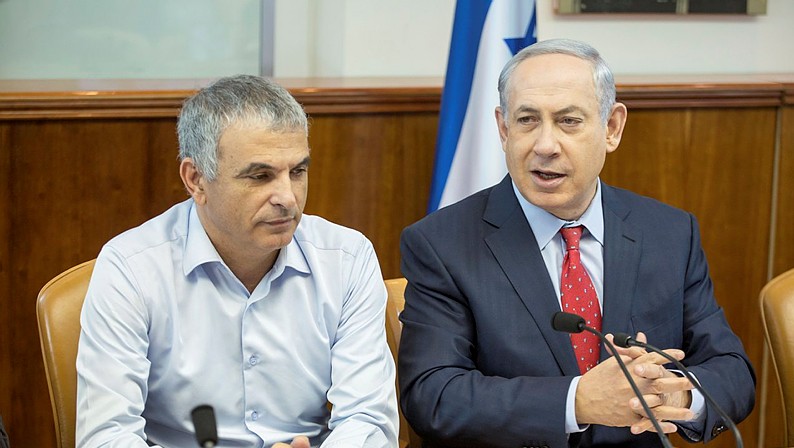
(58, 312)
(394, 306)
(777, 315)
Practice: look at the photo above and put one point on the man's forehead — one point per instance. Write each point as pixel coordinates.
(549, 77)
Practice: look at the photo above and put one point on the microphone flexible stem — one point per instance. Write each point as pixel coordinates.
(662, 436)
(706, 395)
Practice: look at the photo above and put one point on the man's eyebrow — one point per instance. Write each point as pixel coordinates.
(253, 168)
(527, 109)
(260, 166)
(569, 109)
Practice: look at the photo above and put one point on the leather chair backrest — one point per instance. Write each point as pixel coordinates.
(58, 311)
(394, 306)
(777, 315)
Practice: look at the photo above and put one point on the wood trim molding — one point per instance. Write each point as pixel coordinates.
(83, 99)
(788, 94)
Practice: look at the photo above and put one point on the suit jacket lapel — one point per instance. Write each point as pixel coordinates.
(622, 250)
(514, 246)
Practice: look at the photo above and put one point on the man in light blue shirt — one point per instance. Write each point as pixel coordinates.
(235, 299)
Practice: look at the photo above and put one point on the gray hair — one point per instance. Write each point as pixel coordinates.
(602, 75)
(230, 100)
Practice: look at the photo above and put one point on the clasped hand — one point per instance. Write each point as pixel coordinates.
(605, 397)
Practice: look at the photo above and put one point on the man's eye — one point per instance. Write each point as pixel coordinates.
(259, 176)
(527, 119)
(300, 171)
(568, 121)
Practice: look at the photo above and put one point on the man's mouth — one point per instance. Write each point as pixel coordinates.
(547, 175)
(280, 221)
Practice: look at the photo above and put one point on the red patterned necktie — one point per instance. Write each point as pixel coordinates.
(578, 296)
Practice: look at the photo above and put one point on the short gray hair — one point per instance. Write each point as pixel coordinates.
(602, 75)
(230, 100)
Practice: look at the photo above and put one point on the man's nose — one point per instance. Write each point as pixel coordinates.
(546, 144)
(283, 192)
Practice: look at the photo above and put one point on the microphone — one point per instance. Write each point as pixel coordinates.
(624, 340)
(572, 323)
(204, 425)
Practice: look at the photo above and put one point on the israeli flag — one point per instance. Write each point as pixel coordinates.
(485, 35)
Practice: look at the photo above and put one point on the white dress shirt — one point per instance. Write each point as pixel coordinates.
(166, 326)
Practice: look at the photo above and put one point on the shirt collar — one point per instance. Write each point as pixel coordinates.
(198, 247)
(291, 256)
(199, 250)
(545, 226)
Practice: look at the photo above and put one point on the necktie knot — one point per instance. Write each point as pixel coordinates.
(571, 236)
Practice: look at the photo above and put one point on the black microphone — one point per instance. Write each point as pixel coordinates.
(204, 425)
(624, 340)
(572, 323)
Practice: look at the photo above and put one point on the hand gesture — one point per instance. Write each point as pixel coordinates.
(605, 397)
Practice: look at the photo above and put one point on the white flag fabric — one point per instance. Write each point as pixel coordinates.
(485, 35)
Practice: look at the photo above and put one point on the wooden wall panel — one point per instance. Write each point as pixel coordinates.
(372, 173)
(784, 227)
(74, 185)
(6, 318)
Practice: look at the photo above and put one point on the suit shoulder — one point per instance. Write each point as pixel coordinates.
(647, 209)
(467, 210)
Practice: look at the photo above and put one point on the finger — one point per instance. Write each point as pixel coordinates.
(641, 337)
(280, 445)
(300, 442)
(631, 352)
(667, 385)
(652, 400)
(656, 358)
(650, 371)
(671, 413)
(609, 337)
(646, 425)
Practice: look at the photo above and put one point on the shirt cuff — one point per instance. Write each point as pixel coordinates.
(571, 425)
(355, 434)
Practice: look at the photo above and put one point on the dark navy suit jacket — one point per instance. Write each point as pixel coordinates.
(480, 365)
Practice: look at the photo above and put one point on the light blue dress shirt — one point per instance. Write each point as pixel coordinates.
(166, 326)
(546, 228)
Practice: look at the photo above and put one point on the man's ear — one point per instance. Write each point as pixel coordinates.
(502, 126)
(615, 125)
(193, 180)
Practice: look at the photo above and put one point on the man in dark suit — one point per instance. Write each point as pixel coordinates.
(479, 363)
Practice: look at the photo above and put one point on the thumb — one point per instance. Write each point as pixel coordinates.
(300, 442)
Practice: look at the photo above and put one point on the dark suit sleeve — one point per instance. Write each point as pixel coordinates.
(3, 436)
(714, 353)
(443, 393)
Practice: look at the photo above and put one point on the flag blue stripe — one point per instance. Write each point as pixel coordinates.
(466, 32)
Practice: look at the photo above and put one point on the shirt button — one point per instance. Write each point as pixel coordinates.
(254, 416)
(253, 360)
